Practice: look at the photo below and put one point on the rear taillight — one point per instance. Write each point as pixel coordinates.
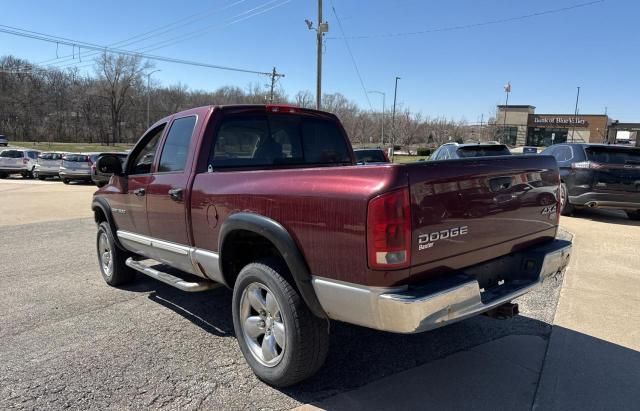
(93, 169)
(586, 164)
(389, 231)
(25, 161)
(88, 160)
(386, 156)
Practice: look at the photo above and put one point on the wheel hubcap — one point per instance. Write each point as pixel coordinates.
(263, 327)
(104, 251)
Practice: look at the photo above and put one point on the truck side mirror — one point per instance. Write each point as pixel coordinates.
(109, 164)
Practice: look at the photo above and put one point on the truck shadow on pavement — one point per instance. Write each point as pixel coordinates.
(459, 366)
(605, 216)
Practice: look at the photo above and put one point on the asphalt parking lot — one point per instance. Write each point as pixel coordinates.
(69, 340)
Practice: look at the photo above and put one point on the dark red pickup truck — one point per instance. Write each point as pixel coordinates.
(269, 201)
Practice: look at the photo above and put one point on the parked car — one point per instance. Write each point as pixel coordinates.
(370, 155)
(99, 178)
(19, 161)
(450, 151)
(268, 201)
(598, 176)
(77, 167)
(4, 141)
(48, 165)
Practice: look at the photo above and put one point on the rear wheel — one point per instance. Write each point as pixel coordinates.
(41, 177)
(112, 259)
(633, 214)
(281, 340)
(566, 208)
(66, 180)
(4, 175)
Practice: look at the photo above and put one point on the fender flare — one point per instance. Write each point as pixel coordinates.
(280, 237)
(103, 205)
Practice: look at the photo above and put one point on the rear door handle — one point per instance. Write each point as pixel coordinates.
(139, 192)
(175, 194)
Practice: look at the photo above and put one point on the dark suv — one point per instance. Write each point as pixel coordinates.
(450, 151)
(598, 175)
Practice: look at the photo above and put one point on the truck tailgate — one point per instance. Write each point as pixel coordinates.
(461, 207)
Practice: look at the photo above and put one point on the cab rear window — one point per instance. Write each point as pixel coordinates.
(275, 140)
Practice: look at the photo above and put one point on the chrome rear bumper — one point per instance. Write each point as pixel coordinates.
(440, 302)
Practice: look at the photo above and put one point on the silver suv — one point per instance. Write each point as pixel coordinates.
(18, 161)
(77, 167)
(48, 165)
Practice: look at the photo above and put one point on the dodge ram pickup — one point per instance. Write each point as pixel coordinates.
(269, 201)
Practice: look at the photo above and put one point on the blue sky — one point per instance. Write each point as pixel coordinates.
(457, 74)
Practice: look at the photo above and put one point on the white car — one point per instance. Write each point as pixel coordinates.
(48, 165)
(18, 161)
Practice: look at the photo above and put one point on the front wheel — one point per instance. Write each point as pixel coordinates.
(66, 180)
(281, 340)
(633, 215)
(112, 259)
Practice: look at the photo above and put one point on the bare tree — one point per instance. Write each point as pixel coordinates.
(118, 75)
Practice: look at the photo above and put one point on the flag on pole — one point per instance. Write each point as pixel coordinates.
(507, 87)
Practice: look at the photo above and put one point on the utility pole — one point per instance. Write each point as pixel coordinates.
(393, 119)
(573, 130)
(384, 96)
(149, 94)
(481, 123)
(274, 78)
(322, 27)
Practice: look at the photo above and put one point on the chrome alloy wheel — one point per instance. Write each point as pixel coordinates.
(263, 327)
(105, 254)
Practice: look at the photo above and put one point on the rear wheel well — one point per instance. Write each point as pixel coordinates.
(242, 247)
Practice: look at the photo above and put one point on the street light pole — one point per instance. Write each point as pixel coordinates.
(573, 130)
(393, 118)
(149, 94)
(384, 96)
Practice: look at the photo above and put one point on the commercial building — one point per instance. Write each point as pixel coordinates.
(520, 125)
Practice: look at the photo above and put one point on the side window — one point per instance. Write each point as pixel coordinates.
(563, 153)
(143, 160)
(176, 146)
(453, 152)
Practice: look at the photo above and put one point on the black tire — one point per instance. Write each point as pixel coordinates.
(4, 175)
(306, 337)
(116, 272)
(66, 180)
(633, 214)
(41, 178)
(100, 184)
(566, 208)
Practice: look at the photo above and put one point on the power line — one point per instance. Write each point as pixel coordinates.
(168, 42)
(95, 47)
(353, 59)
(474, 25)
(159, 30)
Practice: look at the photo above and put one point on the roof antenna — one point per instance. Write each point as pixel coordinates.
(57, 45)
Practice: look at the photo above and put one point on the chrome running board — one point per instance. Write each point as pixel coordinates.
(146, 267)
